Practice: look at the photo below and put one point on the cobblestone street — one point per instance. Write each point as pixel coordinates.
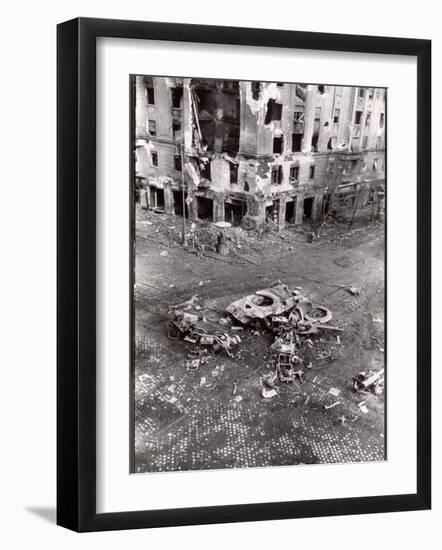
(215, 417)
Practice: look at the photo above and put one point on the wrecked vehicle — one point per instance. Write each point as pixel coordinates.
(184, 326)
(263, 304)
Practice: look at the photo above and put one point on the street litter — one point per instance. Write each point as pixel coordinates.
(369, 382)
(238, 398)
(363, 409)
(203, 380)
(164, 253)
(332, 405)
(268, 394)
(334, 391)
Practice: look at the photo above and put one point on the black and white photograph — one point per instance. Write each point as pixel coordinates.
(258, 273)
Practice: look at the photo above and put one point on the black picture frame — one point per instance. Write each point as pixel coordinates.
(76, 273)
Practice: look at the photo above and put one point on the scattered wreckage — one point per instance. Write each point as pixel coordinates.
(184, 326)
(290, 316)
(284, 312)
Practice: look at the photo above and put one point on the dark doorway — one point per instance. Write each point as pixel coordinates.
(178, 203)
(204, 208)
(290, 211)
(272, 211)
(156, 198)
(308, 208)
(234, 211)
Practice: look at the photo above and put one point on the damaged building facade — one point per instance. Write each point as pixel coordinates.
(236, 151)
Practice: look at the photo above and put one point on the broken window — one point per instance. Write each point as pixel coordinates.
(176, 129)
(316, 123)
(361, 92)
(296, 143)
(177, 94)
(294, 173)
(368, 118)
(336, 116)
(364, 142)
(154, 157)
(177, 162)
(274, 111)
(150, 96)
(331, 143)
(298, 122)
(152, 127)
(233, 172)
(256, 88)
(311, 173)
(277, 145)
(276, 175)
(358, 116)
(381, 120)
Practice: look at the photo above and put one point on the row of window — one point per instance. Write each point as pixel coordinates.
(176, 95)
(176, 160)
(294, 173)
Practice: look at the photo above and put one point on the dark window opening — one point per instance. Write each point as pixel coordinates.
(176, 130)
(205, 170)
(234, 211)
(152, 127)
(368, 119)
(364, 142)
(177, 94)
(154, 157)
(277, 145)
(246, 187)
(204, 208)
(321, 89)
(294, 173)
(331, 143)
(296, 142)
(336, 116)
(276, 175)
(274, 111)
(358, 116)
(326, 124)
(178, 203)
(233, 172)
(315, 140)
(370, 93)
(375, 164)
(150, 96)
(280, 84)
(311, 173)
(308, 208)
(361, 92)
(177, 162)
(381, 120)
(256, 88)
(290, 211)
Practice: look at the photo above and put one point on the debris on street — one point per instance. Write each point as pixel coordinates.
(369, 382)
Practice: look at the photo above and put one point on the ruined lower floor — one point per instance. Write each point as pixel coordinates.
(289, 207)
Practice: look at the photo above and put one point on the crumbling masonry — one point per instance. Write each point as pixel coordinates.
(239, 151)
